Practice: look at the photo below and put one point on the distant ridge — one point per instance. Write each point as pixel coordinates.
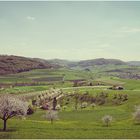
(10, 64)
(86, 63)
(100, 61)
(62, 62)
(134, 63)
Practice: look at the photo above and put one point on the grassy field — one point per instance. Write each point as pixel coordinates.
(41, 73)
(81, 123)
(85, 123)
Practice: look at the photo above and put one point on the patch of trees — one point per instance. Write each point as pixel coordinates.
(118, 99)
(86, 100)
(126, 73)
(82, 83)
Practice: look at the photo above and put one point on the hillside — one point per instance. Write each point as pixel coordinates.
(134, 63)
(15, 64)
(87, 63)
(100, 61)
(62, 62)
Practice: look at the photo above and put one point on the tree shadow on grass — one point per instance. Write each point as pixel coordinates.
(137, 123)
(8, 130)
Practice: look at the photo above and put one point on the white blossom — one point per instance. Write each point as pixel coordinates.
(51, 115)
(107, 119)
(11, 106)
(136, 114)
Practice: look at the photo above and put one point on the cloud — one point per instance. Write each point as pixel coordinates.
(129, 30)
(104, 45)
(30, 18)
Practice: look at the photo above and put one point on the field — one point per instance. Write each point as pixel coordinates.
(81, 123)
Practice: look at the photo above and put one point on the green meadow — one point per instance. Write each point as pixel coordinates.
(71, 123)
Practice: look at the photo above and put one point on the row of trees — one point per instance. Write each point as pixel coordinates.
(99, 99)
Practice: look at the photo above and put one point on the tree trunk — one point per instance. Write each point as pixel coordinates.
(51, 121)
(4, 125)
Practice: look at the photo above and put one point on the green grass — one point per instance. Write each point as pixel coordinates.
(131, 84)
(69, 74)
(110, 81)
(84, 123)
(81, 124)
(43, 75)
(24, 89)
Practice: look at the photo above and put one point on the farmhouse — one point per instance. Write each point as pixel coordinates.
(116, 87)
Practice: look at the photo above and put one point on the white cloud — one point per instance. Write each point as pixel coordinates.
(30, 18)
(129, 30)
(104, 45)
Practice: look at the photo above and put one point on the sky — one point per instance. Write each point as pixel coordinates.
(71, 30)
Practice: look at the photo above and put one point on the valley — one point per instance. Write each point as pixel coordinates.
(84, 96)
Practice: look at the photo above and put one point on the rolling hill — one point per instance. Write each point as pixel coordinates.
(87, 63)
(100, 61)
(63, 63)
(15, 64)
(134, 63)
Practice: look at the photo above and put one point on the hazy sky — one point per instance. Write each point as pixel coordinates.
(71, 30)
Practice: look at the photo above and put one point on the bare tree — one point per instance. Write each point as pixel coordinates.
(11, 106)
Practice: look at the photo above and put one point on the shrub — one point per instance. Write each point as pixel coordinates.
(120, 96)
(107, 119)
(125, 96)
(34, 102)
(31, 110)
(93, 99)
(64, 107)
(58, 107)
(115, 96)
(101, 101)
(117, 102)
(45, 107)
(84, 105)
(137, 107)
(93, 105)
